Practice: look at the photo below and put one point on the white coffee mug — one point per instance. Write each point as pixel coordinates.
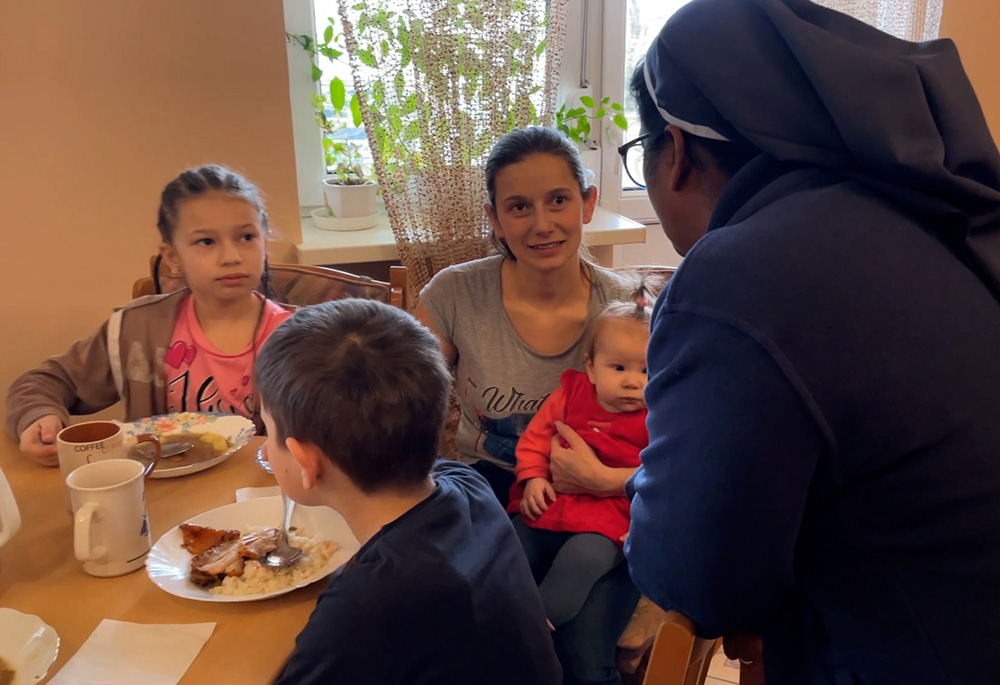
(110, 528)
(10, 517)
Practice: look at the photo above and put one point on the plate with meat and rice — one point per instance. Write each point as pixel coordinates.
(213, 438)
(213, 557)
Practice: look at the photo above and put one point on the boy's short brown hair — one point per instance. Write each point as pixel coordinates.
(364, 382)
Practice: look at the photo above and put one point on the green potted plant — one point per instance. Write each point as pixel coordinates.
(350, 190)
(580, 123)
(577, 123)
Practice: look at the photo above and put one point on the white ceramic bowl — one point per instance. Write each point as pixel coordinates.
(169, 564)
(28, 645)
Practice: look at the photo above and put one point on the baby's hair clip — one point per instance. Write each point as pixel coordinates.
(642, 302)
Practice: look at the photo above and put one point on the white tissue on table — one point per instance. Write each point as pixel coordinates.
(120, 653)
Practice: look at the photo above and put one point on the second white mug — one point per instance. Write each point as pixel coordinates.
(110, 527)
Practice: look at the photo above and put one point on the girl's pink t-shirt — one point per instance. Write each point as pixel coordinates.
(200, 378)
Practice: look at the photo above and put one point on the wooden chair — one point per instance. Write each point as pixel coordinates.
(678, 656)
(297, 284)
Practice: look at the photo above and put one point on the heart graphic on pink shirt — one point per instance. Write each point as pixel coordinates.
(179, 353)
(245, 381)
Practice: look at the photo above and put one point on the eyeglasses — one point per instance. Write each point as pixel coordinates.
(632, 154)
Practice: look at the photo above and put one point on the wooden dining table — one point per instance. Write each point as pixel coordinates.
(40, 575)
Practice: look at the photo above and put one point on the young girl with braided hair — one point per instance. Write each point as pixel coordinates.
(191, 350)
(572, 540)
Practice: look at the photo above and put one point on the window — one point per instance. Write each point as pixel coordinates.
(631, 26)
(309, 162)
(627, 35)
(324, 10)
(310, 18)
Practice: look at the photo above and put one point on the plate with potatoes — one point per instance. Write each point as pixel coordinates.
(213, 437)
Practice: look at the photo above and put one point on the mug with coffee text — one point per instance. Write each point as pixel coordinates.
(92, 441)
(85, 443)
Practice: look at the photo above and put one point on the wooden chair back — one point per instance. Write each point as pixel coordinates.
(678, 656)
(297, 284)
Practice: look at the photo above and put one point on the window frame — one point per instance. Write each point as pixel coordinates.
(310, 164)
(633, 204)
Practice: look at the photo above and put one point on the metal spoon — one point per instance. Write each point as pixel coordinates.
(176, 448)
(172, 449)
(284, 554)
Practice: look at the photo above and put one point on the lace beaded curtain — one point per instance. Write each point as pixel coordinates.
(915, 20)
(438, 82)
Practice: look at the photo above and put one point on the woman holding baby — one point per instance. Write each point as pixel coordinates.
(512, 324)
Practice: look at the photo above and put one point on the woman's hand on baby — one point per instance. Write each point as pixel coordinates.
(38, 440)
(538, 492)
(575, 469)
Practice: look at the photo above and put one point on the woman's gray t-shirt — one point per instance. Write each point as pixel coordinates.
(501, 382)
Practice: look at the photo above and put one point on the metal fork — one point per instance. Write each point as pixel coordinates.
(284, 554)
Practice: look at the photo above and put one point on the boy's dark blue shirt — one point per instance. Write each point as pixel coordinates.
(441, 595)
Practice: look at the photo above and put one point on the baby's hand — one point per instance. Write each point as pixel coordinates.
(38, 440)
(537, 494)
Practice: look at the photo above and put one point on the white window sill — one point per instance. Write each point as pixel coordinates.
(377, 244)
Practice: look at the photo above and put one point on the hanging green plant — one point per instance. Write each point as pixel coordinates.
(578, 122)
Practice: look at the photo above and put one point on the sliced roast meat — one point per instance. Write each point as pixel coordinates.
(257, 545)
(225, 559)
(198, 539)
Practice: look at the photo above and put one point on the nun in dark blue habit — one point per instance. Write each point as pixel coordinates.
(824, 395)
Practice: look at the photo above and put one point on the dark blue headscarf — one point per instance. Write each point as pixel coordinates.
(805, 84)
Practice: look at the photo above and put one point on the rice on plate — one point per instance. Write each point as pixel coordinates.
(258, 579)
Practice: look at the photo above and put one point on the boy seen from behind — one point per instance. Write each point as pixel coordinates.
(354, 394)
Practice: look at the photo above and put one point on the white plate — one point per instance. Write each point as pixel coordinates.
(169, 564)
(236, 429)
(28, 645)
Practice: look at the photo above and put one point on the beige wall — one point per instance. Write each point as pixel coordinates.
(101, 103)
(974, 25)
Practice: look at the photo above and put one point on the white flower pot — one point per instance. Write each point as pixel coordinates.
(350, 202)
